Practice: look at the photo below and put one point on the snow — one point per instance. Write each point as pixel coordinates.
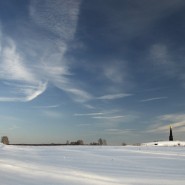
(92, 165)
(165, 143)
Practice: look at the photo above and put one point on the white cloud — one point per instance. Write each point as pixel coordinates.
(115, 71)
(113, 74)
(78, 94)
(119, 131)
(114, 96)
(25, 85)
(89, 106)
(88, 114)
(153, 99)
(27, 71)
(163, 122)
(172, 117)
(108, 117)
(25, 94)
(10, 99)
(12, 65)
(33, 93)
(59, 17)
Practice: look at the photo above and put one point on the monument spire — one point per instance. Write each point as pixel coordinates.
(171, 134)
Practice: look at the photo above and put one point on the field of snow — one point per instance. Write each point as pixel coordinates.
(165, 143)
(85, 165)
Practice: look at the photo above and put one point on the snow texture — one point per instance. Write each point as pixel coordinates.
(92, 165)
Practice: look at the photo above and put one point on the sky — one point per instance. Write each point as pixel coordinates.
(83, 69)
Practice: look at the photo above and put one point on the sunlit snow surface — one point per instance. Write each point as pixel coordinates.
(106, 165)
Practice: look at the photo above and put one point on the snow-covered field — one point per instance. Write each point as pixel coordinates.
(165, 143)
(84, 165)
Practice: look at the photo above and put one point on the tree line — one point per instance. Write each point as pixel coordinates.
(100, 141)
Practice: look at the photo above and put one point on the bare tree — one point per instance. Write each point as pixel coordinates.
(80, 142)
(94, 143)
(5, 140)
(100, 141)
(104, 142)
(124, 144)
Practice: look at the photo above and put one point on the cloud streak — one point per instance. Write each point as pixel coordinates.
(26, 94)
(153, 99)
(79, 95)
(113, 96)
(89, 114)
(119, 131)
(108, 117)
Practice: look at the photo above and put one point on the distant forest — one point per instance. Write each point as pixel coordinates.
(100, 141)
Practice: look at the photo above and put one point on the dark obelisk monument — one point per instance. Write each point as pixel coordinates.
(171, 134)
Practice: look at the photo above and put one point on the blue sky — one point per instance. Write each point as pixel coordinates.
(82, 69)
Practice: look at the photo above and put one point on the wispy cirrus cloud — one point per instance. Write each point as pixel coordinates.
(42, 61)
(108, 117)
(104, 115)
(79, 95)
(89, 114)
(115, 71)
(35, 92)
(163, 122)
(153, 99)
(114, 96)
(119, 131)
(25, 94)
(25, 85)
(60, 18)
(13, 66)
(89, 106)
